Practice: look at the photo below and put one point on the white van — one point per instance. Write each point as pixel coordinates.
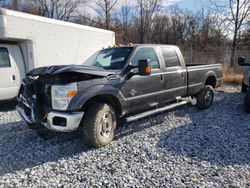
(28, 41)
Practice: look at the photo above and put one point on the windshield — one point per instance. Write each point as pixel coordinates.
(110, 59)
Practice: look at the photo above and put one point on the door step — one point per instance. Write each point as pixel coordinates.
(154, 111)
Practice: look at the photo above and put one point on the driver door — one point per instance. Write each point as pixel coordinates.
(142, 92)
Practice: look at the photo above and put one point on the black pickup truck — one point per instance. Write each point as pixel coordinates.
(120, 83)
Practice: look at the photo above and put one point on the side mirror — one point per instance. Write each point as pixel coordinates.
(144, 68)
(242, 61)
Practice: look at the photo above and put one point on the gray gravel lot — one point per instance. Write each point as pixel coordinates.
(181, 148)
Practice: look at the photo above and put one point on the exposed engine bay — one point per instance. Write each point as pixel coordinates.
(35, 92)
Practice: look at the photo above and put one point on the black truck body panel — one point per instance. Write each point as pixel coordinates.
(130, 95)
(203, 72)
(53, 70)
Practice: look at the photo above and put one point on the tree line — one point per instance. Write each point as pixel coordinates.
(220, 25)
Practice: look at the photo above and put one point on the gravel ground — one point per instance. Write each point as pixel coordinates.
(181, 148)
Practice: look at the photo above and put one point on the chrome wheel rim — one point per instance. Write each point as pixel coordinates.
(106, 125)
(208, 97)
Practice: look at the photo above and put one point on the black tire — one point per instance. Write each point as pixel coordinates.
(99, 125)
(247, 102)
(205, 98)
(243, 87)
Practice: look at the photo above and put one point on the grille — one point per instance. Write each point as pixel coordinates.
(28, 90)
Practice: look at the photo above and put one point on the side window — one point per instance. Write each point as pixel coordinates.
(146, 53)
(4, 58)
(170, 57)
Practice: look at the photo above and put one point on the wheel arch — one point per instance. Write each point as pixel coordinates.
(210, 79)
(104, 98)
(100, 93)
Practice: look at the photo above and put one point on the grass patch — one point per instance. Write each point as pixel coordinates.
(230, 77)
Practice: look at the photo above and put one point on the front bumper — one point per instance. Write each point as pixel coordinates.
(24, 116)
(72, 121)
(56, 121)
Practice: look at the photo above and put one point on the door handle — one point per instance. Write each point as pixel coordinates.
(13, 77)
(162, 79)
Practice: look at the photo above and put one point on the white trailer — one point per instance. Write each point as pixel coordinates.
(28, 41)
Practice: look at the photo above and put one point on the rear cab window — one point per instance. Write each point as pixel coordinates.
(4, 58)
(170, 57)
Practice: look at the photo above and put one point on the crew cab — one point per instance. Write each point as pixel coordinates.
(124, 83)
(245, 82)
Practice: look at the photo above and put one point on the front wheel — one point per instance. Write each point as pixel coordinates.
(99, 125)
(205, 98)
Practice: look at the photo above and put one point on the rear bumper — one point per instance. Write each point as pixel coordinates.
(56, 121)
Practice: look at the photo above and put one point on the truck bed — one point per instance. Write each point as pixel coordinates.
(204, 71)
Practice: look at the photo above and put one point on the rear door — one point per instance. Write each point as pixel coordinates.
(8, 85)
(175, 74)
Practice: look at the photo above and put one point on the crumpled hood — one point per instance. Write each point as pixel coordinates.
(58, 69)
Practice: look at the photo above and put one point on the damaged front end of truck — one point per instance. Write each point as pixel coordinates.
(46, 93)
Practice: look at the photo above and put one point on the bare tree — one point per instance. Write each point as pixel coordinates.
(104, 9)
(124, 19)
(15, 4)
(181, 22)
(57, 9)
(235, 11)
(245, 38)
(147, 9)
(220, 27)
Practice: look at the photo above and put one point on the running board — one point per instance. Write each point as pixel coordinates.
(154, 111)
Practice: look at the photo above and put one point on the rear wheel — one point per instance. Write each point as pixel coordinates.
(205, 98)
(247, 102)
(243, 87)
(99, 125)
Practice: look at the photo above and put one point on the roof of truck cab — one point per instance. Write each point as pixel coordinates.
(27, 16)
(143, 45)
(153, 45)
